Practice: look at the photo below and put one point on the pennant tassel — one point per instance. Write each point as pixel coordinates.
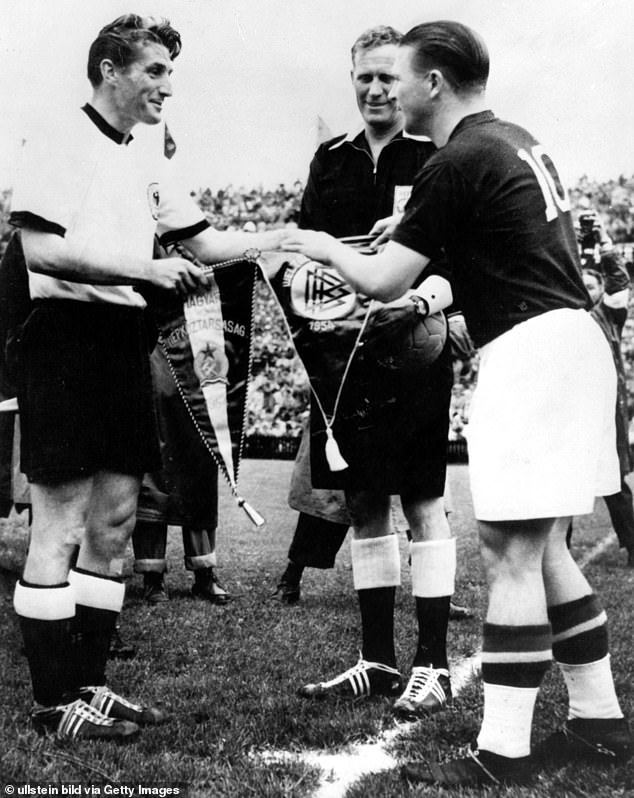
(253, 514)
(333, 455)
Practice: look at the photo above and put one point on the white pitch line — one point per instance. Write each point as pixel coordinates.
(341, 771)
(595, 551)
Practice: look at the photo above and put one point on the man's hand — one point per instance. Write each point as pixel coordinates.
(316, 246)
(389, 321)
(461, 343)
(383, 229)
(271, 240)
(176, 274)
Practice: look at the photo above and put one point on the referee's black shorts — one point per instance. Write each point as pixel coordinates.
(392, 429)
(85, 392)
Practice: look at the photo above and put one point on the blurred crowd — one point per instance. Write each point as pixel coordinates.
(254, 209)
(279, 394)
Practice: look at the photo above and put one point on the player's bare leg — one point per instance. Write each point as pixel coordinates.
(516, 654)
(45, 602)
(59, 524)
(99, 595)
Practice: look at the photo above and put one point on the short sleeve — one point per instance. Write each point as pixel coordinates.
(179, 217)
(47, 187)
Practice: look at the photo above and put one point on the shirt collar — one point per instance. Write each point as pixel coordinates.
(471, 121)
(105, 127)
(360, 140)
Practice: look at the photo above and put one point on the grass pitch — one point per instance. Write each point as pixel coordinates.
(230, 673)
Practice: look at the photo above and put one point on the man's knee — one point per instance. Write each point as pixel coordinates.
(59, 513)
(112, 514)
(513, 546)
(370, 513)
(426, 518)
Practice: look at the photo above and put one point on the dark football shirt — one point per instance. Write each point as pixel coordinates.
(493, 201)
(347, 191)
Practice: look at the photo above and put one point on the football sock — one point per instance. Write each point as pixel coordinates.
(376, 570)
(376, 562)
(377, 624)
(514, 662)
(580, 648)
(433, 577)
(45, 614)
(433, 619)
(98, 603)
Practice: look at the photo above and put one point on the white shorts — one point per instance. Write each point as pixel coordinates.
(541, 433)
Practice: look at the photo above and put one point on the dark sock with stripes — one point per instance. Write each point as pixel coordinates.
(514, 662)
(580, 632)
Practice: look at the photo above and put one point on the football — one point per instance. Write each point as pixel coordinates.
(400, 338)
(428, 336)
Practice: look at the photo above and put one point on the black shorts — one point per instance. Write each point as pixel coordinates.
(392, 429)
(85, 392)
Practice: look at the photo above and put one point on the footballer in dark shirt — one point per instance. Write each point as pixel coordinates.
(541, 432)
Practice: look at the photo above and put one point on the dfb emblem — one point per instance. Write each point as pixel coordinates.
(319, 293)
(153, 198)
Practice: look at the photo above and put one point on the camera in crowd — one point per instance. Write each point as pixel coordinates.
(590, 236)
(589, 230)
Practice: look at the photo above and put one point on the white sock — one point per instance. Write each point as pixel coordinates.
(507, 720)
(44, 603)
(376, 562)
(96, 591)
(433, 567)
(591, 692)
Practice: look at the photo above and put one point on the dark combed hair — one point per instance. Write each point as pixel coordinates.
(375, 37)
(455, 49)
(119, 40)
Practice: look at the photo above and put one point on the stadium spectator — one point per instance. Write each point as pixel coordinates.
(487, 198)
(88, 215)
(609, 289)
(391, 422)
